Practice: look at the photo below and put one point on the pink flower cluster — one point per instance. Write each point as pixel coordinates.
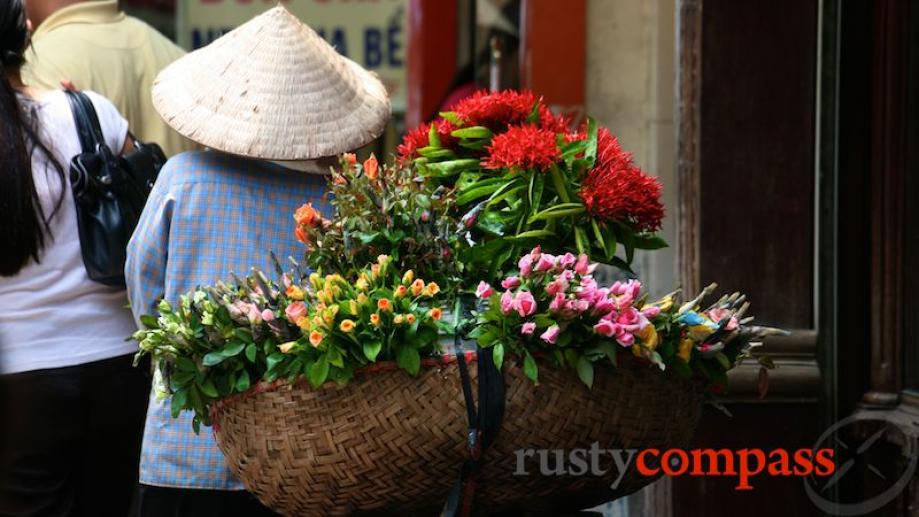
(565, 286)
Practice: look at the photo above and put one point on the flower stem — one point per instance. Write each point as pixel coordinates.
(559, 183)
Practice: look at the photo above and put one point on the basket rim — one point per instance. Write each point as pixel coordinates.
(383, 366)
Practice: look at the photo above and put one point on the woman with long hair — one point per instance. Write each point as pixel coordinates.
(72, 405)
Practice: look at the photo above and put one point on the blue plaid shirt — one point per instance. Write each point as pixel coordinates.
(208, 215)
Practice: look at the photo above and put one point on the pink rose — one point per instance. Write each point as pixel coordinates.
(507, 303)
(267, 315)
(545, 263)
(651, 311)
(603, 304)
(567, 260)
(557, 303)
(484, 290)
(536, 253)
(559, 285)
(606, 328)
(582, 266)
(528, 328)
(630, 319)
(632, 288)
(525, 303)
(295, 311)
(511, 282)
(624, 338)
(525, 265)
(551, 334)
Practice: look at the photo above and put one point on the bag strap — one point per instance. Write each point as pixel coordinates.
(87, 121)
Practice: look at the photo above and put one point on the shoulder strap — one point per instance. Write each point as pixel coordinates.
(87, 122)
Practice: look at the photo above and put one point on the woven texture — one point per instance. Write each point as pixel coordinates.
(391, 443)
(272, 89)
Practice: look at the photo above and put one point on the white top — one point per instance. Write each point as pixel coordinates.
(51, 314)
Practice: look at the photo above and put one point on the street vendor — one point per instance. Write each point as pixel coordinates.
(272, 102)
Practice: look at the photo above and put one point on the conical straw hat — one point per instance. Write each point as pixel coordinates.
(272, 89)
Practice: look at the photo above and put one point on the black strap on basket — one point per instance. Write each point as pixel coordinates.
(484, 422)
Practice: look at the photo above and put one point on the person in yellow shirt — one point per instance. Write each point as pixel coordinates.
(94, 45)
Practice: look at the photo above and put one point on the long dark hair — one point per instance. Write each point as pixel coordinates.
(24, 225)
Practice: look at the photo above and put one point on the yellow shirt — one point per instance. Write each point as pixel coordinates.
(99, 48)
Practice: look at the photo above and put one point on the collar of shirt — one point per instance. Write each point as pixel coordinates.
(95, 11)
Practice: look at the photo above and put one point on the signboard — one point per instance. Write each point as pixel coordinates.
(370, 32)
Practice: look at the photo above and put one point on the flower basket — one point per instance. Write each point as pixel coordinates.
(388, 442)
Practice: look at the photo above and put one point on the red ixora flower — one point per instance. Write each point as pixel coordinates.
(418, 138)
(616, 189)
(522, 147)
(498, 110)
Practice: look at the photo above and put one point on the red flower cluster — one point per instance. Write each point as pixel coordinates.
(523, 147)
(616, 189)
(418, 138)
(497, 111)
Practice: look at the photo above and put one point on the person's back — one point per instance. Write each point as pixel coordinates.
(97, 47)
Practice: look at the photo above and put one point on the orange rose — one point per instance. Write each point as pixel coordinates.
(346, 326)
(350, 159)
(306, 215)
(371, 168)
(384, 305)
(295, 293)
(375, 319)
(435, 313)
(316, 338)
(301, 234)
(417, 287)
(410, 318)
(432, 289)
(401, 291)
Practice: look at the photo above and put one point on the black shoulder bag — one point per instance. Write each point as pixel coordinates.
(109, 192)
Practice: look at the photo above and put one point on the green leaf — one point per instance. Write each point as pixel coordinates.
(486, 335)
(649, 242)
(242, 383)
(251, 351)
(209, 389)
(476, 193)
(529, 367)
(472, 132)
(233, 349)
(590, 152)
(450, 168)
(586, 371)
(534, 234)
(335, 358)
(243, 334)
(184, 363)
(274, 359)
(610, 350)
(559, 210)
(318, 372)
(180, 378)
(497, 353)
(213, 358)
(179, 398)
(723, 360)
(149, 321)
(408, 359)
(372, 350)
(533, 117)
(433, 137)
(452, 117)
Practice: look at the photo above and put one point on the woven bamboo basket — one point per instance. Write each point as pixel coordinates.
(388, 443)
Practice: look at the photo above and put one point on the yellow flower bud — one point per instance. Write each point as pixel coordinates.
(401, 291)
(432, 289)
(408, 277)
(295, 293)
(685, 351)
(375, 319)
(417, 287)
(410, 318)
(287, 347)
(398, 319)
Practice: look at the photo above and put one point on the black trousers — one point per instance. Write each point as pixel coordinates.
(71, 439)
(154, 501)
